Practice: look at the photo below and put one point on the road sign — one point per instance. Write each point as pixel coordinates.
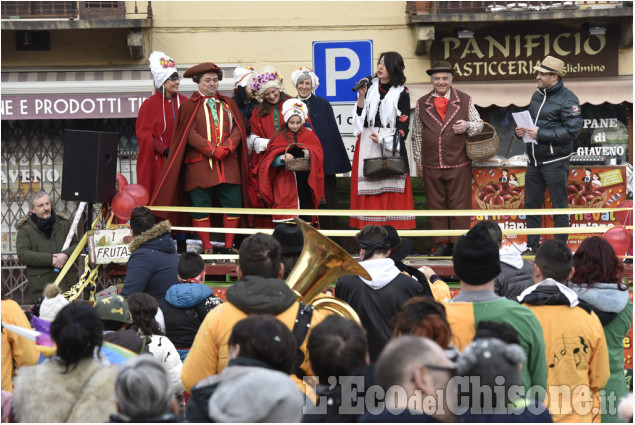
(340, 65)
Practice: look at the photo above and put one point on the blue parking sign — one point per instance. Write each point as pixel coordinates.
(340, 65)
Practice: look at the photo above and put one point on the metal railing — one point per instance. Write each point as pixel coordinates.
(74, 10)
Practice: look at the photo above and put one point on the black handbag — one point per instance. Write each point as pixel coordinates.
(385, 166)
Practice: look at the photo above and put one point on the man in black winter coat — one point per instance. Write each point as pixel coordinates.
(377, 301)
(152, 266)
(557, 118)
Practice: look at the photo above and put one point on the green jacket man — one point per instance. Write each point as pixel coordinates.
(40, 238)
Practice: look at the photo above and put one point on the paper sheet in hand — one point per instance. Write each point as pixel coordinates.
(523, 119)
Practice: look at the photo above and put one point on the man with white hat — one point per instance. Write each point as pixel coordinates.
(557, 118)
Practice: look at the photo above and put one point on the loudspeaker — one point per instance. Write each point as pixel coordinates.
(90, 165)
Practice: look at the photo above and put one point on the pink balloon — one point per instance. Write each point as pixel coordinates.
(620, 239)
(122, 181)
(625, 217)
(122, 205)
(630, 248)
(138, 192)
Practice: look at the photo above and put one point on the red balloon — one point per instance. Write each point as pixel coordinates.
(625, 217)
(630, 248)
(121, 181)
(620, 239)
(138, 192)
(122, 205)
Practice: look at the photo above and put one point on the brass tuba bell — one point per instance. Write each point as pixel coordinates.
(321, 262)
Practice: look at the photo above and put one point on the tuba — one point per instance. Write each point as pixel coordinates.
(321, 262)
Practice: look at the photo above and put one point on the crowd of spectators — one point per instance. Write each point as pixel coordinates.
(550, 353)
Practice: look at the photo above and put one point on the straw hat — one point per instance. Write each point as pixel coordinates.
(551, 65)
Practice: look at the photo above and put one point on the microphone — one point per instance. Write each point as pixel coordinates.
(365, 82)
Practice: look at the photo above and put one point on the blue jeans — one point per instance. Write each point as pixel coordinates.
(553, 177)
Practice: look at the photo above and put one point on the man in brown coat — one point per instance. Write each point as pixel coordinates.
(207, 156)
(444, 119)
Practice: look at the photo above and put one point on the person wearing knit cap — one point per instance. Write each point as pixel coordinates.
(325, 126)
(280, 188)
(52, 303)
(443, 120)
(243, 96)
(575, 341)
(156, 119)
(208, 158)
(488, 364)
(376, 301)
(267, 86)
(476, 263)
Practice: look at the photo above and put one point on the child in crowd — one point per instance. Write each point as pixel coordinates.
(187, 303)
(281, 188)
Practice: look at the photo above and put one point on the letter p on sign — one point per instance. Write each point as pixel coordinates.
(340, 65)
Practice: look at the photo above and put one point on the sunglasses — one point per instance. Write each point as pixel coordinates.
(177, 78)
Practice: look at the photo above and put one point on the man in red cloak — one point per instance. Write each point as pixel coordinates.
(207, 157)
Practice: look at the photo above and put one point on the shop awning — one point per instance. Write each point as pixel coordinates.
(504, 93)
(86, 93)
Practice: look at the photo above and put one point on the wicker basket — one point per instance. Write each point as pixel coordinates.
(296, 164)
(482, 146)
(596, 201)
(514, 202)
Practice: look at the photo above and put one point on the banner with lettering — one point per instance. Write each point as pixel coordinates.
(495, 188)
(71, 106)
(510, 51)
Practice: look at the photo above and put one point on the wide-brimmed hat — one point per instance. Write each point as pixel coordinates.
(203, 68)
(400, 248)
(551, 65)
(440, 66)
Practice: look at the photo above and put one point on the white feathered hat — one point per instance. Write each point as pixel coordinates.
(304, 73)
(242, 76)
(293, 107)
(161, 66)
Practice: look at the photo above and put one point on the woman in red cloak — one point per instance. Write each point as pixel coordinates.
(280, 188)
(155, 123)
(266, 120)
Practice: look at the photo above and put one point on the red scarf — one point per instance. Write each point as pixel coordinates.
(441, 103)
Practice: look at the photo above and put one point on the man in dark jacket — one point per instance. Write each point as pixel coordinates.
(40, 238)
(557, 123)
(152, 266)
(378, 300)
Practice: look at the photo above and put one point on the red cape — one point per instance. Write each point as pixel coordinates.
(150, 126)
(277, 185)
(170, 190)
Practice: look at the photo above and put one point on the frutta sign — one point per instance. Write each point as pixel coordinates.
(109, 245)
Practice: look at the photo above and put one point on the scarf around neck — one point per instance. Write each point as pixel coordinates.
(387, 110)
(45, 225)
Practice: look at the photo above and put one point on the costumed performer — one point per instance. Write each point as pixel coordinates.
(208, 157)
(287, 189)
(243, 96)
(155, 122)
(267, 85)
(380, 118)
(325, 126)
